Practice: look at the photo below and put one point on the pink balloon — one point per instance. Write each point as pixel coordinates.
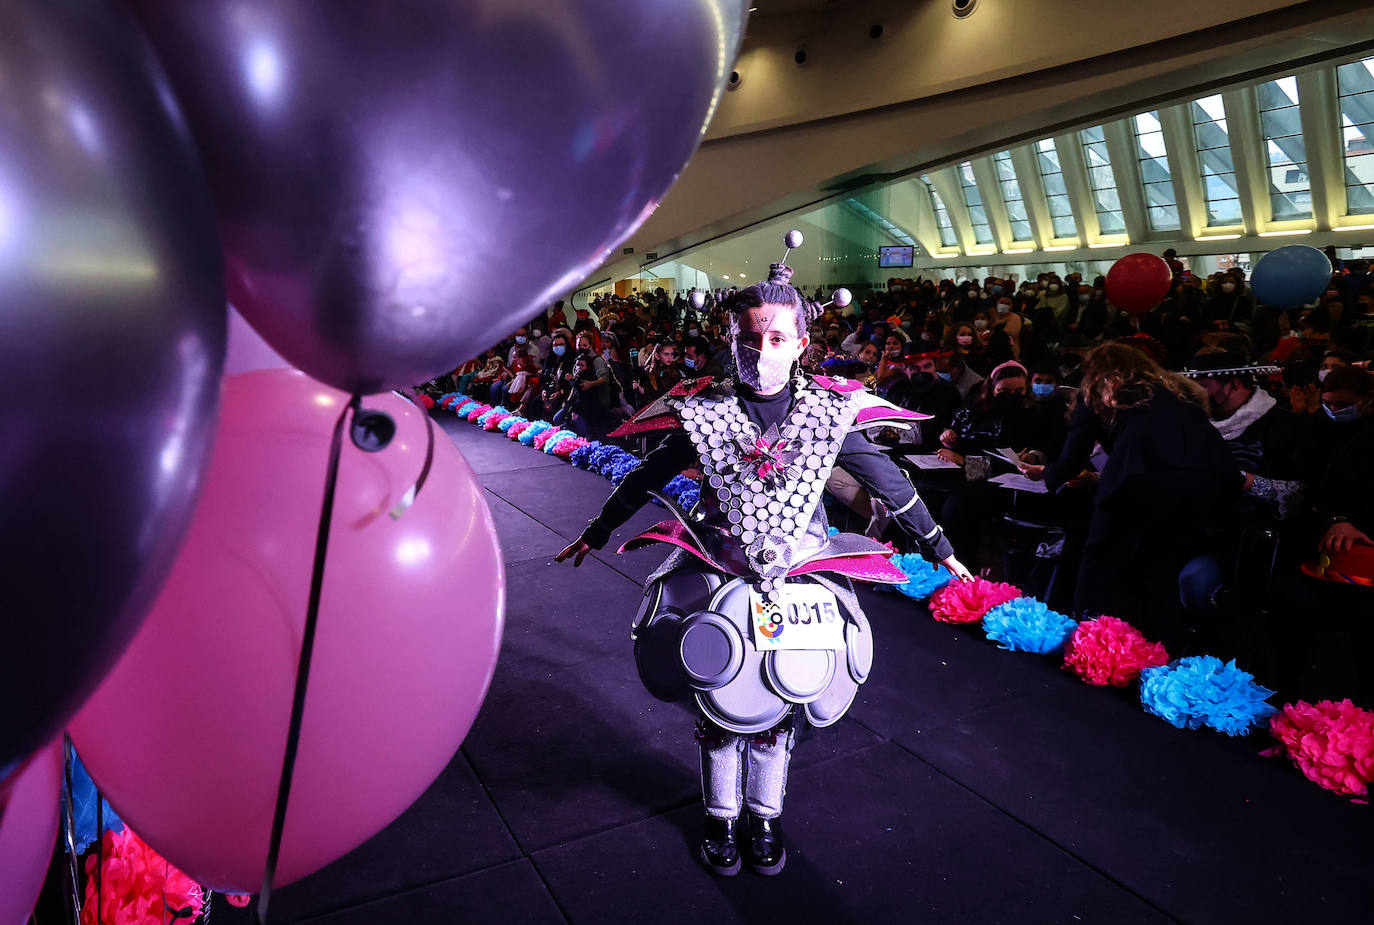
(29, 810)
(247, 350)
(186, 736)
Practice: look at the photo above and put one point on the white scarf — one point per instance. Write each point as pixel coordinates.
(1255, 407)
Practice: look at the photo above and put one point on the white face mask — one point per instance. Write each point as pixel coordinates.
(1228, 287)
(1003, 307)
(963, 340)
(1054, 287)
(980, 322)
(1321, 374)
(766, 375)
(975, 294)
(537, 333)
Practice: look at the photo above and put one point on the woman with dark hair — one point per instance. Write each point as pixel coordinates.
(1168, 474)
(754, 557)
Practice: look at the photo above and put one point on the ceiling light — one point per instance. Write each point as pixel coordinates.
(1062, 247)
(1216, 237)
(1279, 234)
(1018, 250)
(1353, 228)
(1110, 244)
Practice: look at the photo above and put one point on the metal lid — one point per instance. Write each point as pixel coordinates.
(711, 649)
(800, 675)
(858, 638)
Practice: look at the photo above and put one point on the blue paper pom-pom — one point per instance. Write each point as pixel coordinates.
(924, 578)
(622, 468)
(602, 453)
(688, 499)
(465, 408)
(529, 433)
(1201, 690)
(582, 456)
(1027, 625)
(831, 531)
(510, 422)
(552, 441)
(487, 415)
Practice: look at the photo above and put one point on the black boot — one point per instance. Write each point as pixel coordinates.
(718, 848)
(763, 847)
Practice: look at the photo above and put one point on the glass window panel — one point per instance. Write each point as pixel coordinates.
(1016, 211)
(1059, 205)
(1005, 171)
(1359, 184)
(1164, 218)
(1021, 230)
(1111, 223)
(1054, 185)
(1095, 155)
(1064, 226)
(1154, 169)
(1356, 76)
(1093, 134)
(1101, 178)
(1355, 85)
(982, 234)
(1290, 195)
(1223, 212)
(1287, 121)
(978, 215)
(1219, 186)
(1147, 122)
(1159, 194)
(1217, 161)
(1107, 200)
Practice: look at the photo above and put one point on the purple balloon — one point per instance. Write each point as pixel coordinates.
(399, 184)
(112, 328)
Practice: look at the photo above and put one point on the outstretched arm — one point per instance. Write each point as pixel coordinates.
(672, 456)
(882, 479)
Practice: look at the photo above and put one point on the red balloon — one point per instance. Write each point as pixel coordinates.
(1138, 282)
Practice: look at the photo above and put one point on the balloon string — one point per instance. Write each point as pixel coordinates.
(409, 497)
(73, 871)
(312, 613)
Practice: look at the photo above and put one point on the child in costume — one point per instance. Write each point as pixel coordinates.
(753, 616)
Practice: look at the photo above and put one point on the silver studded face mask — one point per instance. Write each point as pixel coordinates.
(760, 373)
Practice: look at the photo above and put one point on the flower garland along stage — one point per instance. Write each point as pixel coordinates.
(1331, 743)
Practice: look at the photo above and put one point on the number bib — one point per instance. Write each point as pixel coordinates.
(806, 616)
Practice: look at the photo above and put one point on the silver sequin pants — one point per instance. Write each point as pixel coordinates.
(748, 771)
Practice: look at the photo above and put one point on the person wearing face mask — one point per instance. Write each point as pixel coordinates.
(1002, 416)
(924, 391)
(954, 369)
(1053, 303)
(519, 341)
(766, 441)
(1009, 320)
(553, 380)
(697, 359)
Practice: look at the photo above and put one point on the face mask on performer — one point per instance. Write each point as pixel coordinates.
(765, 345)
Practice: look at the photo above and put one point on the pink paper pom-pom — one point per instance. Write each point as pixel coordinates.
(543, 438)
(968, 601)
(1108, 650)
(477, 412)
(135, 882)
(1331, 743)
(518, 429)
(569, 445)
(494, 420)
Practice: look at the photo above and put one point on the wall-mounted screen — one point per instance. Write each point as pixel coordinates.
(896, 256)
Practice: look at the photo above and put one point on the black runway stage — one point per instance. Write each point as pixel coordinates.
(966, 785)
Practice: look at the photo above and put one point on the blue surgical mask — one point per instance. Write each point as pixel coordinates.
(689, 362)
(996, 290)
(519, 338)
(1345, 415)
(1042, 390)
(944, 376)
(559, 350)
(693, 332)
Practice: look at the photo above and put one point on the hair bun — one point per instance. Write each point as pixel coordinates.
(779, 273)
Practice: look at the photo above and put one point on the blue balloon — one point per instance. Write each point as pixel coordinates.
(1291, 276)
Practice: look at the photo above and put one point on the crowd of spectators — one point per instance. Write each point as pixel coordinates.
(1172, 468)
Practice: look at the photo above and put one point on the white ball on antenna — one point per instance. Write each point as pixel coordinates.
(698, 299)
(842, 297)
(793, 239)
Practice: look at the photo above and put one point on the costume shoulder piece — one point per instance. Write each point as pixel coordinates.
(659, 414)
(870, 410)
